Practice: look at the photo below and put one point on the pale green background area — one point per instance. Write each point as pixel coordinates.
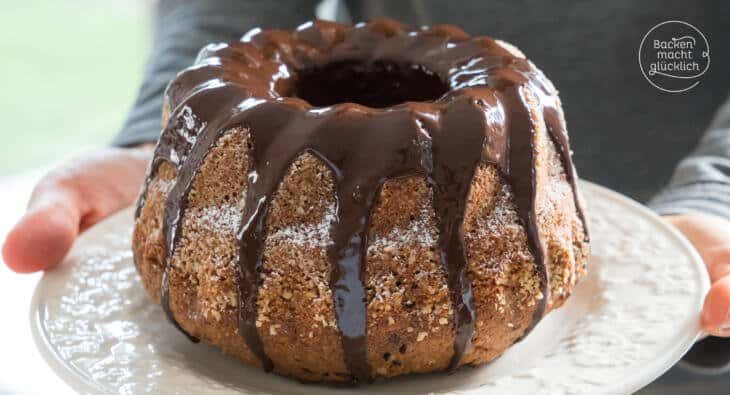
(69, 71)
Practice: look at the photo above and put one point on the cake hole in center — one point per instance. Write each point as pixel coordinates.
(378, 84)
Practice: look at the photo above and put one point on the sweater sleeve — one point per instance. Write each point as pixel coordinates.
(182, 28)
(701, 182)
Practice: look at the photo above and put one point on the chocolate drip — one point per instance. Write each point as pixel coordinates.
(199, 141)
(361, 165)
(340, 138)
(482, 119)
(520, 174)
(457, 151)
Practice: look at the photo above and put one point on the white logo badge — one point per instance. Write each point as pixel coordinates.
(673, 56)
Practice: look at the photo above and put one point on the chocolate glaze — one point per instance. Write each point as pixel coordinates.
(445, 103)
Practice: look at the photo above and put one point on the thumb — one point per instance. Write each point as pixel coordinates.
(45, 233)
(70, 199)
(716, 311)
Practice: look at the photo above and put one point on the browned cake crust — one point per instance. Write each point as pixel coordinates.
(410, 324)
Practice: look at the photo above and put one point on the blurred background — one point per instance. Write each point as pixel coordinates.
(59, 95)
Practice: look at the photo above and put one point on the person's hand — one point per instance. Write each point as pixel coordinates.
(711, 236)
(70, 199)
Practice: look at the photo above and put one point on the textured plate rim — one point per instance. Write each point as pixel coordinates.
(83, 385)
(68, 373)
(661, 365)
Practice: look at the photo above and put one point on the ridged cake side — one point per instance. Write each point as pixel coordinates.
(410, 325)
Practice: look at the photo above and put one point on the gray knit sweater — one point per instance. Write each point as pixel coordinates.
(657, 147)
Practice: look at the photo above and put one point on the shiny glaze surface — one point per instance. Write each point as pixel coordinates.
(482, 118)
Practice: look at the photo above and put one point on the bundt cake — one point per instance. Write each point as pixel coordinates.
(340, 203)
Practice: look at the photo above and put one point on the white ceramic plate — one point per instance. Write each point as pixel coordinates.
(629, 320)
